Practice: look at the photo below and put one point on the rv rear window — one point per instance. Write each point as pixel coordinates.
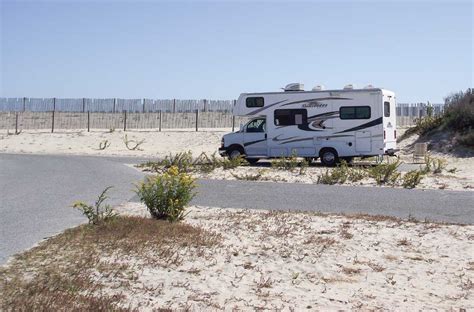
(354, 112)
(254, 102)
(386, 109)
(290, 117)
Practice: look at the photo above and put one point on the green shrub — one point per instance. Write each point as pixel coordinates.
(439, 165)
(434, 165)
(96, 213)
(233, 163)
(459, 111)
(166, 195)
(356, 174)
(327, 178)
(286, 163)
(412, 178)
(385, 173)
(205, 163)
(183, 161)
(428, 123)
(466, 139)
(303, 166)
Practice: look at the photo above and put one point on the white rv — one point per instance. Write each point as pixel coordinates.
(325, 124)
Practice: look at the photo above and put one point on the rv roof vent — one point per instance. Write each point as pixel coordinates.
(318, 88)
(294, 87)
(349, 87)
(369, 86)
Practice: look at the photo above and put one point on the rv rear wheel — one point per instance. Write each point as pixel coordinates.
(252, 161)
(328, 157)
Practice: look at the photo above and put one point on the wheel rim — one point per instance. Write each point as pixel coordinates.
(234, 154)
(329, 157)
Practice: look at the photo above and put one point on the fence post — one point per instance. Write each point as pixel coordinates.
(205, 106)
(160, 121)
(125, 121)
(197, 119)
(24, 103)
(88, 121)
(144, 100)
(174, 105)
(83, 105)
(54, 104)
(115, 100)
(16, 123)
(52, 122)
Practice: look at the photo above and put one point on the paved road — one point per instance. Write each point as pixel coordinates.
(36, 193)
(439, 205)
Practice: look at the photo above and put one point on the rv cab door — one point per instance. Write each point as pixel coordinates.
(255, 137)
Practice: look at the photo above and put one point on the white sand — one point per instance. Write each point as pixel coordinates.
(156, 144)
(298, 261)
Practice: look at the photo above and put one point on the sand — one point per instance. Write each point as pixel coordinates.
(296, 261)
(156, 144)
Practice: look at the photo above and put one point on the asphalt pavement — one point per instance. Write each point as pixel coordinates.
(36, 194)
(37, 191)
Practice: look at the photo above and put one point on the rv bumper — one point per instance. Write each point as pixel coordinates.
(391, 151)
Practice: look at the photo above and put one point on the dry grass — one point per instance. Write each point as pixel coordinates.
(59, 274)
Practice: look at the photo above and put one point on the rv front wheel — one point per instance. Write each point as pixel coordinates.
(234, 153)
(328, 157)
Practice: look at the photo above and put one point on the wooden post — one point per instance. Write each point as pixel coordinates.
(115, 101)
(54, 104)
(88, 121)
(125, 121)
(24, 103)
(16, 123)
(174, 105)
(205, 102)
(144, 100)
(83, 105)
(52, 122)
(197, 119)
(160, 121)
(233, 118)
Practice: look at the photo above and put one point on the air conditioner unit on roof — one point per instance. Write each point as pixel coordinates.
(349, 87)
(318, 88)
(294, 87)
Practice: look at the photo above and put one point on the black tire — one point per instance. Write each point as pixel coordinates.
(235, 151)
(252, 161)
(329, 157)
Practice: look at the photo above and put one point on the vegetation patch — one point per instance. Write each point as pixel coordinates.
(166, 195)
(61, 273)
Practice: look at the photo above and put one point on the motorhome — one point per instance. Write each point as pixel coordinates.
(326, 124)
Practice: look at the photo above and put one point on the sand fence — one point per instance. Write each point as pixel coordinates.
(51, 121)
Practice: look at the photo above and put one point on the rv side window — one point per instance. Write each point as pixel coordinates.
(354, 112)
(386, 109)
(257, 125)
(254, 102)
(290, 117)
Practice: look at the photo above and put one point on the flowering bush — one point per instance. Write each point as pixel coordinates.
(166, 195)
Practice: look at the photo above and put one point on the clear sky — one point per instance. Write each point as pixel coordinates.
(422, 50)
